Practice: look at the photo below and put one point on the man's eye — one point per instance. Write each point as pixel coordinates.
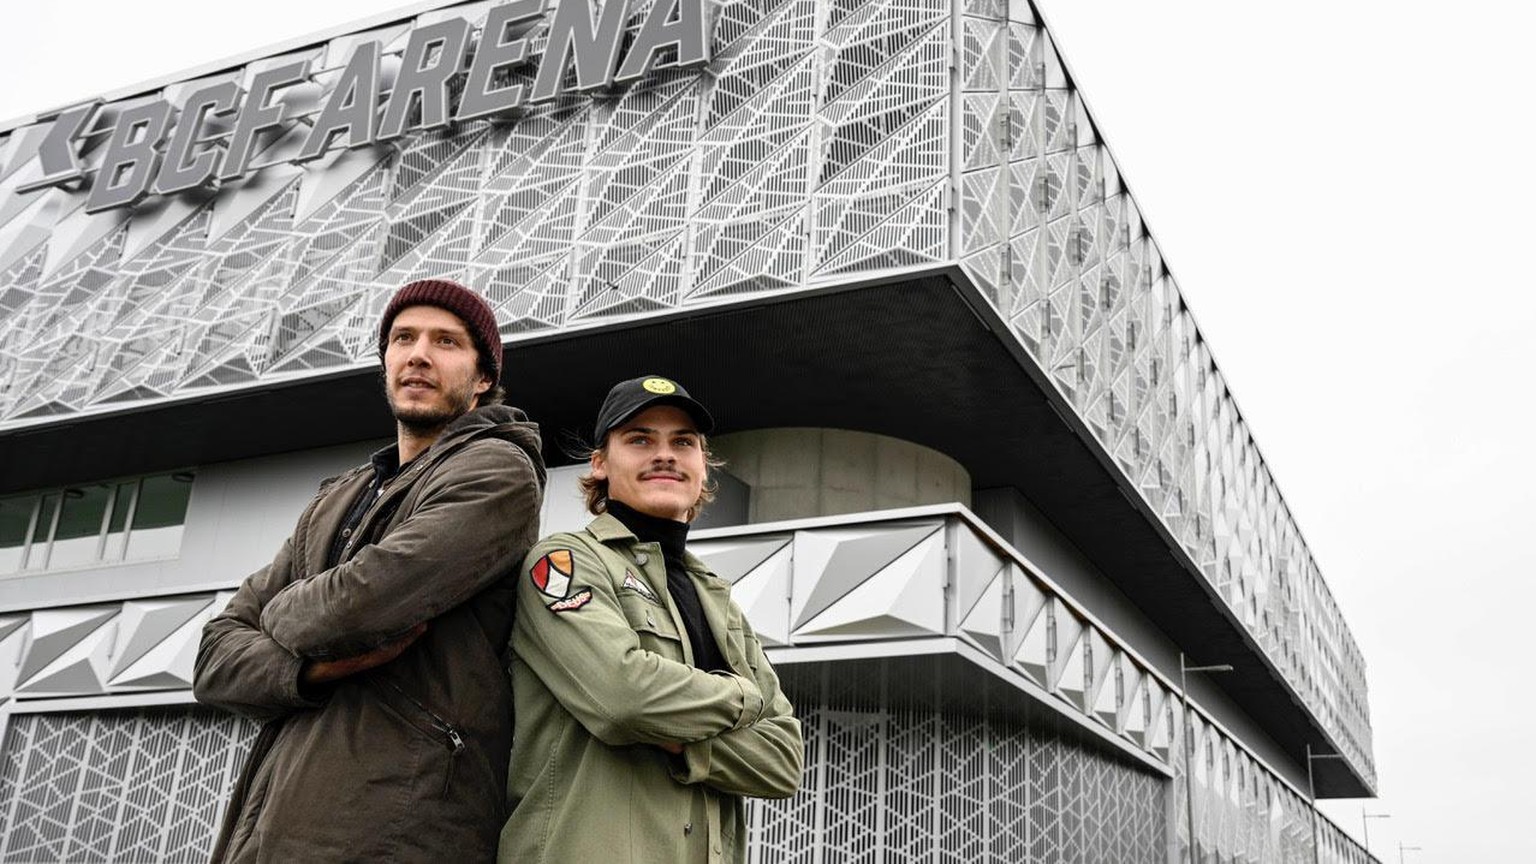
(402, 337)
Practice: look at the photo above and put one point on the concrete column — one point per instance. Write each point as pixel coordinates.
(796, 473)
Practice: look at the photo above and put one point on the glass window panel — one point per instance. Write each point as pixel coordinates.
(78, 537)
(15, 519)
(37, 552)
(117, 526)
(158, 516)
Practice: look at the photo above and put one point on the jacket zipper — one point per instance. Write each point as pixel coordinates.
(455, 740)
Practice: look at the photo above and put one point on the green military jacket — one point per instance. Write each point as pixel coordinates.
(601, 674)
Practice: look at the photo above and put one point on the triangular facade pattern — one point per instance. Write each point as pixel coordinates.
(815, 146)
(125, 785)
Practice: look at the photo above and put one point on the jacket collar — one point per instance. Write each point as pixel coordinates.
(610, 531)
(607, 528)
(486, 420)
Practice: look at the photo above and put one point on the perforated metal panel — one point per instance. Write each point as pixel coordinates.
(817, 145)
(906, 761)
(117, 786)
(910, 781)
(1242, 814)
(905, 764)
(1057, 245)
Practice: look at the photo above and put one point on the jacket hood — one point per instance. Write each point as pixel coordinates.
(498, 421)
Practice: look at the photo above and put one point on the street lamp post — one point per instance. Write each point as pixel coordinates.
(1365, 825)
(1189, 763)
(1401, 849)
(1312, 794)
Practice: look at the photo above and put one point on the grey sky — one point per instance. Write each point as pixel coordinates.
(1342, 191)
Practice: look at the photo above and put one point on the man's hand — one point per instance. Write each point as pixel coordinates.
(326, 671)
(672, 747)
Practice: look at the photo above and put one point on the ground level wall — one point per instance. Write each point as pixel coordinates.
(927, 759)
(894, 777)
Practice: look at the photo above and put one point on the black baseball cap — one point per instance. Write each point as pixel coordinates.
(628, 398)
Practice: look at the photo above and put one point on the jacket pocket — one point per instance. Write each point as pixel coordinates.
(424, 720)
(740, 650)
(653, 625)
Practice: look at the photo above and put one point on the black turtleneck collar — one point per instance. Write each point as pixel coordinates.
(671, 535)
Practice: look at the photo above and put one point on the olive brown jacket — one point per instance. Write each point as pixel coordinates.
(407, 761)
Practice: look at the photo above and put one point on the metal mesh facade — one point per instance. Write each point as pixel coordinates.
(1242, 814)
(816, 146)
(1054, 239)
(117, 786)
(149, 786)
(828, 140)
(906, 781)
(907, 763)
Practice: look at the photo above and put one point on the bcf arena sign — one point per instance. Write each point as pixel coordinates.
(153, 151)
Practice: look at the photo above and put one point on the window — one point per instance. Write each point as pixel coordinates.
(78, 533)
(16, 514)
(157, 518)
(128, 520)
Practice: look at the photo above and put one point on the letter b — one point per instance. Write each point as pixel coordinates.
(129, 165)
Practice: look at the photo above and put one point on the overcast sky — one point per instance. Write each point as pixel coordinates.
(1344, 193)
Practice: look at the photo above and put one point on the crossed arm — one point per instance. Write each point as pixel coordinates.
(764, 760)
(735, 732)
(282, 633)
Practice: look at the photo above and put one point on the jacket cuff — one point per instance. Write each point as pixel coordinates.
(694, 767)
(751, 702)
(301, 695)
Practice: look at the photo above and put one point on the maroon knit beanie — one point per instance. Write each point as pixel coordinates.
(469, 306)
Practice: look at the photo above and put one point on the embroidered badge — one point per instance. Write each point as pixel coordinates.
(571, 603)
(659, 386)
(633, 583)
(552, 574)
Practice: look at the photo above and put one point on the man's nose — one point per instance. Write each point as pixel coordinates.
(418, 355)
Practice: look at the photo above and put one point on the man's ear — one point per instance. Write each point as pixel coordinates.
(599, 465)
(486, 383)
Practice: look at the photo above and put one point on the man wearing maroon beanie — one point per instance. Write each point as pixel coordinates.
(371, 646)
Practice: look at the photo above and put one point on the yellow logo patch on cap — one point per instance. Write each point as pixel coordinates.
(659, 385)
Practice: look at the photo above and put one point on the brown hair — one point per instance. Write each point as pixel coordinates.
(497, 395)
(595, 491)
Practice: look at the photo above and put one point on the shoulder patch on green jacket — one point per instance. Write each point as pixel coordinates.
(571, 603)
(552, 573)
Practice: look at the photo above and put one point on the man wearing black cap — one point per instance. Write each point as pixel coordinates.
(371, 646)
(645, 708)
